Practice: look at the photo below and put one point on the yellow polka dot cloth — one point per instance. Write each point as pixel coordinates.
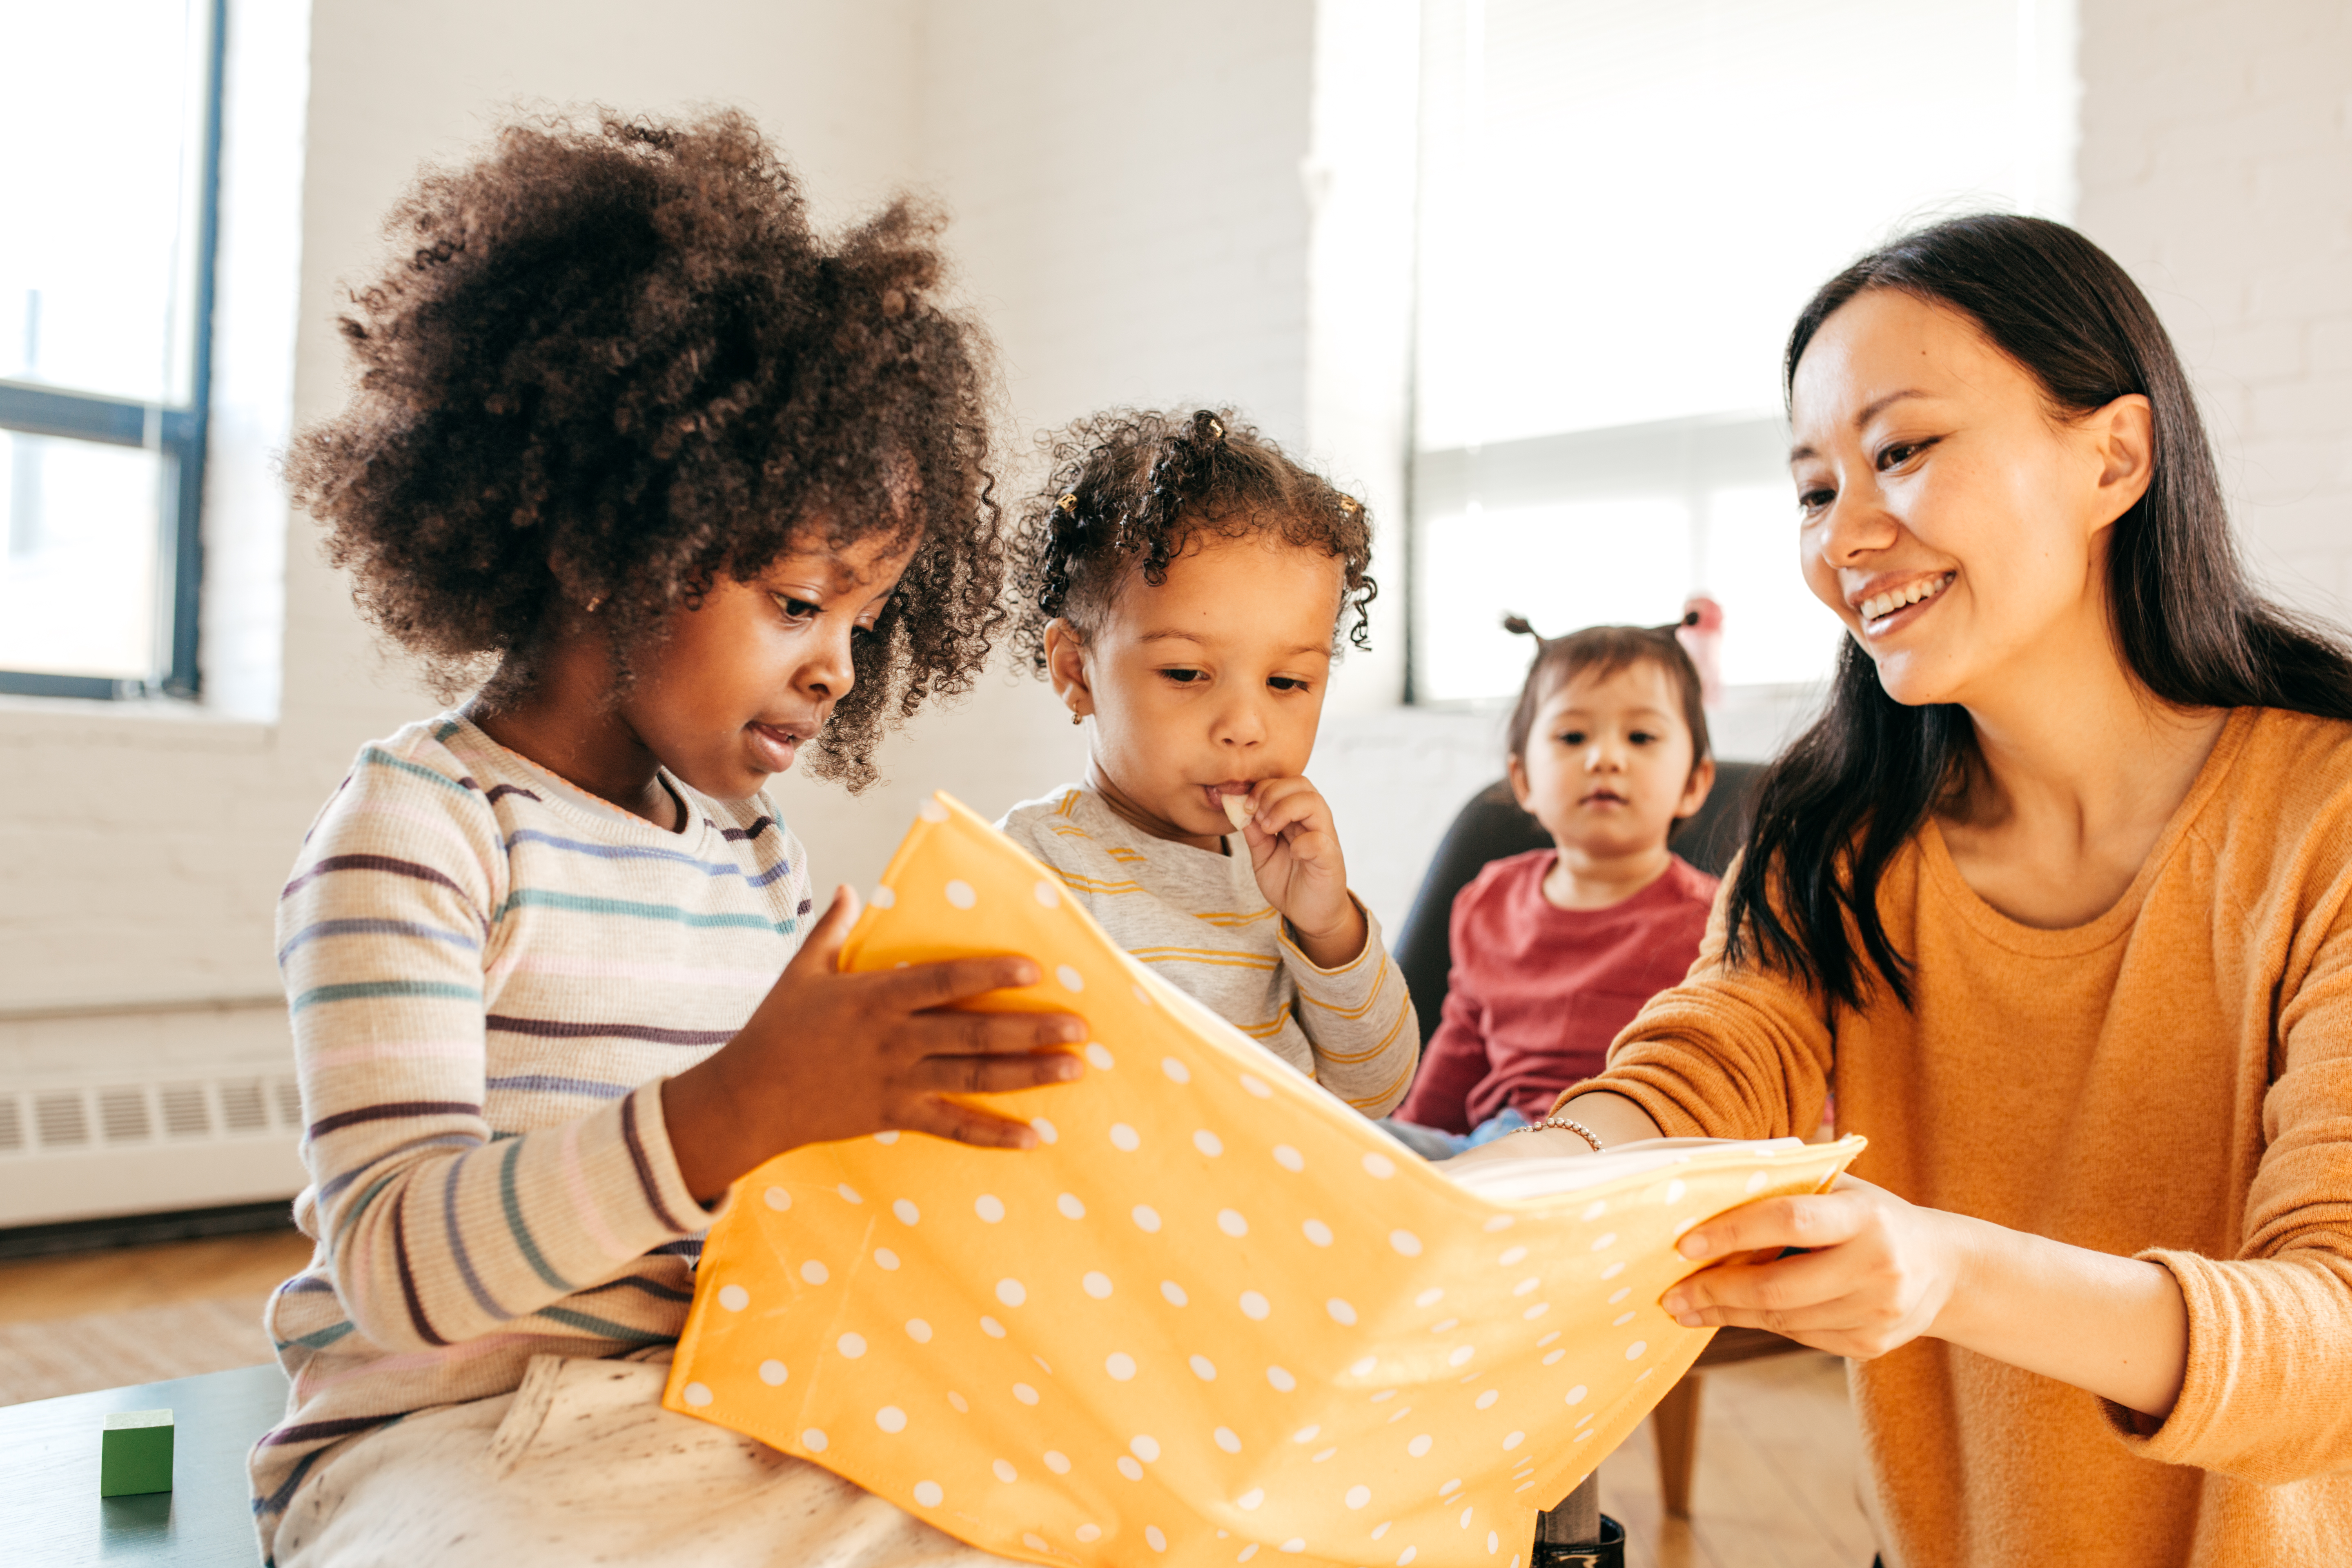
(1217, 1318)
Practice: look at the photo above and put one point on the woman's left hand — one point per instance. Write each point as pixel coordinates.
(1873, 1272)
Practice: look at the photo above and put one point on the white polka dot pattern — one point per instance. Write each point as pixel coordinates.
(1334, 1348)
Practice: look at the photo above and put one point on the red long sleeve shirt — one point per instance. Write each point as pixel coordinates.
(1537, 993)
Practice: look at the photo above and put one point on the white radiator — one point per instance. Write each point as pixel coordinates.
(113, 1113)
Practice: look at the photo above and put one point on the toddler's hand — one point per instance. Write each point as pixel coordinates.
(829, 1056)
(1294, 851)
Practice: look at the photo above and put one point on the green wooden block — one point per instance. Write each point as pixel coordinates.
(135, 1453)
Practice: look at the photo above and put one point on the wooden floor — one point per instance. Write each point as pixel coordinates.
(99, 1320)
(1774, 1485)
(76, 1284)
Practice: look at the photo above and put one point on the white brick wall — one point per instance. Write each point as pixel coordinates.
(2217, 167)
(1129, 219)
(1126, 189)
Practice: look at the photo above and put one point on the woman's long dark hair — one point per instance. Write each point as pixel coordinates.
(1834, 809)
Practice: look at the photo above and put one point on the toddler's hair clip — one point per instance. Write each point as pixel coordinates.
(1350, 505)
(1216, 427)
(1068, 504)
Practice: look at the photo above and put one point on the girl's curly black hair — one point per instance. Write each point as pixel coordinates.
(613, 362)
(1129, 489)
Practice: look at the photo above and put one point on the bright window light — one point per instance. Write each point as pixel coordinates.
(1570, 566)
(1624, 205)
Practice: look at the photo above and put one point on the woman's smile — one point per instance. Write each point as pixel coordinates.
(1883, 610)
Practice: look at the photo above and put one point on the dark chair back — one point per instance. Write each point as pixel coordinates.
(1492, 827)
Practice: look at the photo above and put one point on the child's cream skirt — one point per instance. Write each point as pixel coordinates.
(582, 1464)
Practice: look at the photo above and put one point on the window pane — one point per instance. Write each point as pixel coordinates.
(1560, 566)
(1627, 200)
(101, 108)
(1774, 631)
(78, 588)
(1623, 206)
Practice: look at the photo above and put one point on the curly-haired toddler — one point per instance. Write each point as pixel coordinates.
(696, 491)
(1185, 585)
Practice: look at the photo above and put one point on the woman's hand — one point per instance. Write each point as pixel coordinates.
(829, 1056)
(1294, 851)
(1876, 1273)
(1873, 1272)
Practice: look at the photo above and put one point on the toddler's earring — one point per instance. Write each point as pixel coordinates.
(595, 604)
(1076, 717)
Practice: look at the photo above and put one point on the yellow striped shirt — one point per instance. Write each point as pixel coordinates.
(1199, 918)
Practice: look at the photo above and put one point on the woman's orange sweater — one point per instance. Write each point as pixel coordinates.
(2171, 1082)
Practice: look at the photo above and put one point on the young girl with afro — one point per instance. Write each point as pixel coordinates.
(690, 490)
(1185, 585)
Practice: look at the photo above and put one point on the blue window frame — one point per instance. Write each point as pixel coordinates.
(101, 544)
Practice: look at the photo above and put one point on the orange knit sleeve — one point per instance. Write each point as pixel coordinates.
(1729, 1053)
(2268, 1395)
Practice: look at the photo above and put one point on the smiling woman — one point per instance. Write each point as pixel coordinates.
(1992, 405)
(2058, 896)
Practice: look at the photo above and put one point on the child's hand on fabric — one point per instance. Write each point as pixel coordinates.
(830, 1056)
(1294, 851)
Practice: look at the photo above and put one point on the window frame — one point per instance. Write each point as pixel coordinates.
(1682, 459)
(1542, 467)
(178, 433)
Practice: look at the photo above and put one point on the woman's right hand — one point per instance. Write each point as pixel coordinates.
(829, 1056)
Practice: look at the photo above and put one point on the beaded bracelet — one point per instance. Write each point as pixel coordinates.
(1568, 1125)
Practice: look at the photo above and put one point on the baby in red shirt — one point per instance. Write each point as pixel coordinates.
(1556, 950)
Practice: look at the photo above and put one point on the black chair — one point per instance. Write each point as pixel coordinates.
(1492, 826)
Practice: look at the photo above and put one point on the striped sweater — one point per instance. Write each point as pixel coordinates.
(490, 974)
(1199, 918)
